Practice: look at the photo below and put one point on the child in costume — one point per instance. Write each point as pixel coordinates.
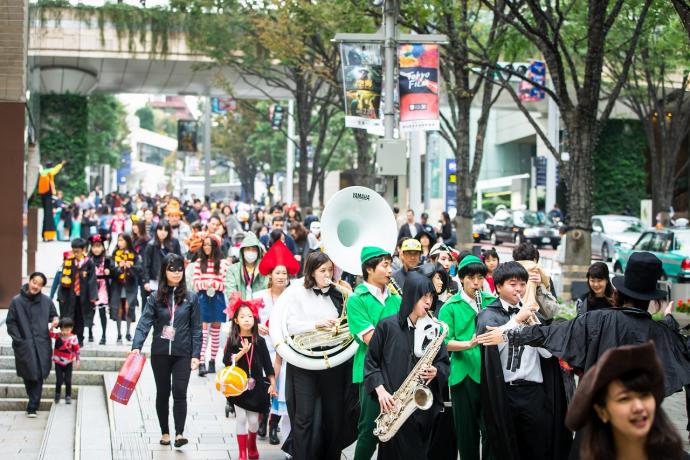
(65, 355)
(103, 266)
(246, 349)
(125, 285)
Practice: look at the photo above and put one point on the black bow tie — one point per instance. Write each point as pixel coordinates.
(513, 310)
(318, 291)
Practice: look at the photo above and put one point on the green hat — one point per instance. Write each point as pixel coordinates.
(467, 260)
(369, 252)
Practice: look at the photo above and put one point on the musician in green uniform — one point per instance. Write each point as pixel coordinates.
(371, 302)
(460, 314)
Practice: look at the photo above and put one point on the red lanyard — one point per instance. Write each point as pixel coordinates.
(251, 355)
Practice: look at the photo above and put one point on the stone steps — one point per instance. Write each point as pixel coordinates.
(78, 378)
(19, 404)
(90, 351)
(86, 364)
(16, 390)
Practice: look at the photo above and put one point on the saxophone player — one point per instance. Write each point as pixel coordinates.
(371, 302)
(460, 314)
(389, 361)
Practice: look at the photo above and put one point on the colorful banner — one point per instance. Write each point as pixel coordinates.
(362, 76)
(536, 72)
(418, 86)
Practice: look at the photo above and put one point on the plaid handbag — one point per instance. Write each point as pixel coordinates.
(127, 378)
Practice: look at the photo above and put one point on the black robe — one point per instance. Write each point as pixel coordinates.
(389, 360)
(581, 341)
(131, 287)
(88, 295)
(494, 400)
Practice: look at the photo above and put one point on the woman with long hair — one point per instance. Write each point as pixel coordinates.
(600, 292)
(278, 265)
(173, 313)
(162, 243)
(208, 279)
(304, 244)
(124, 284)
(617, 407)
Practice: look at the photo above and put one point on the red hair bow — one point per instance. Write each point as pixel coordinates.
(236, 302)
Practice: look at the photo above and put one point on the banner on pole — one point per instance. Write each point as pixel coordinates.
(536, 72)
(362, 77)
(418, 86)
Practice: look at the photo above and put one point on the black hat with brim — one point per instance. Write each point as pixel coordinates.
(641, 276)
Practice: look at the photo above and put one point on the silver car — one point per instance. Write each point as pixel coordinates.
(611, 231)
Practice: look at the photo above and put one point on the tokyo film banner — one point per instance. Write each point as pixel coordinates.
(418, 87)
(536, 72)
(362, 77)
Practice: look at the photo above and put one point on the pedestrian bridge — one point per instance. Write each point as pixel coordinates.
(73, 54)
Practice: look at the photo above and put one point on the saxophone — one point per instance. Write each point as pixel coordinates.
(413, 394)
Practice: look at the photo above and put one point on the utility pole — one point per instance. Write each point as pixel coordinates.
(391, 152)
(290, 163)
(207, 147)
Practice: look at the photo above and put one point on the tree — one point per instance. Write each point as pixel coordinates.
(683, 9)
(145, 115)
(657, 93)
(473, 35)
(107, 129)
(573, 37)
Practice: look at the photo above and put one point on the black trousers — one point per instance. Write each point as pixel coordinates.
(63, 374)
(34, 389)
(530, 419)
(687, 405)
(316, 406)
(79, 320)
(171, 373)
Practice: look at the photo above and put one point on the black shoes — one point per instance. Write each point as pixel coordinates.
(202, 369)
(179, 442)
(211, 367)
(90, 338)
(102, 342)
(31, 413)
(273, 438)
(128, 337)
(56, 399)
(261, 432)
(119, 339)
(68, 400)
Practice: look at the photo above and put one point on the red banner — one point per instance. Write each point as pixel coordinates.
(418, 87)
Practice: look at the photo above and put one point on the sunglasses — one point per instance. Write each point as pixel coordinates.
(175, 269)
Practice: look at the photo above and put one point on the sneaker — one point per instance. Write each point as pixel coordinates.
(68, 400)
(212, 367)
(128, 337)
(56, 399)
(31, 414)
(102, 342)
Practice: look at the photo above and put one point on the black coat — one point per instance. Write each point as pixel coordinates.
(131, 287)
(27, 324)
(257, 399)
(404, 231)
(153, 257)
(88, 295)
(187, 326)
(494, 400)
(582, 340)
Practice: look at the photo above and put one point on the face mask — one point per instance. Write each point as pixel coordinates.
(251, 257)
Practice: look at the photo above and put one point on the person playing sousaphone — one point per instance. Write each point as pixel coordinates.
(316, 395)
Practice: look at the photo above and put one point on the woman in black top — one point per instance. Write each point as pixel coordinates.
(162, 243)
(174, 315)
(600, 293)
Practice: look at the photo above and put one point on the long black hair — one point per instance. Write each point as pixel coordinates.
(164, 290)
(431, 269)
(235, 339)
(128, 241)
(215, 256)
(167, 242)
(663, 441)
(416, 287)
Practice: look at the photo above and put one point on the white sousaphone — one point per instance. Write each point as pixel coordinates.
(353, 218)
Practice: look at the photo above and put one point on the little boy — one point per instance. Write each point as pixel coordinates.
(65, 353)
(521, 387)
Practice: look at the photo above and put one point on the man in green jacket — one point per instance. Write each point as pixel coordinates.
(460, 314)
(244, 276)
(370, 303)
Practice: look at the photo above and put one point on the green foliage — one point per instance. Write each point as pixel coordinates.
(131, 23)
(619, 168)
(107, 129)
(145, 115)
(63, 136)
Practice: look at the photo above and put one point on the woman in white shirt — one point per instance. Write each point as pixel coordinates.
(315, 398)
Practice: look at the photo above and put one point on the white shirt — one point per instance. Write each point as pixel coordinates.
(265, 315)
(413, 230)
(469, 300)
(306, 308)
(380, 295)
(529, 366)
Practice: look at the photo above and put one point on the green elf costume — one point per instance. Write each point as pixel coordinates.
(460, 314)
(365, 308)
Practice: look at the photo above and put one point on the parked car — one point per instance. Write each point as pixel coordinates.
(671, 245)
(480, 231)
(520, 225)
(612, 231)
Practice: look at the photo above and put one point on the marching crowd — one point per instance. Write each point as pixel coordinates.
(510, 379)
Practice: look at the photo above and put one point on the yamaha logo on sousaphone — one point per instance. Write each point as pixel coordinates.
(353, 218)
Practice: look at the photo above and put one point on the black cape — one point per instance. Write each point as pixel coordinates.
(494, 400)
(582, 340)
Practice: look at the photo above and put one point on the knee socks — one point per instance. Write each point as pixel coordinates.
(215, 341)
(204, 335)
